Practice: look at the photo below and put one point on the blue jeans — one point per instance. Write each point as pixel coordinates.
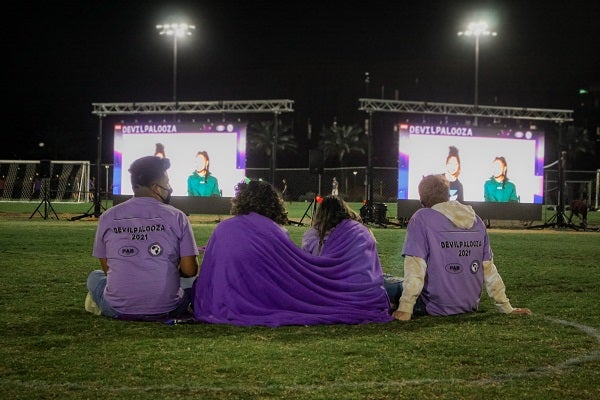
(96, 283)
(393, 287)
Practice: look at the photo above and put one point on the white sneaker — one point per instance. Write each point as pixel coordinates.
(91, 306)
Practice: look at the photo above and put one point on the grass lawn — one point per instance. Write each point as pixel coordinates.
(51, 349)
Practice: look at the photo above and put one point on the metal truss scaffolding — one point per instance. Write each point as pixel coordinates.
(102, 110)
(371, 106)
(420, 107)
(194, 107)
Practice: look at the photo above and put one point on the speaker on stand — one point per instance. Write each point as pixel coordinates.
(45, 172)
(45, 169)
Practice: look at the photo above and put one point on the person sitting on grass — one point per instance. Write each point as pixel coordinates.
(447, 259)
(334, 223)
(146, 250)
(252, 273)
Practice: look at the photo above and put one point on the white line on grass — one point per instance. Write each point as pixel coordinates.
(591, 356)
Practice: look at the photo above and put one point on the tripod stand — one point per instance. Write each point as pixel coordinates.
(97, 206)
(312, 205)
(45, 201)
(559, 220)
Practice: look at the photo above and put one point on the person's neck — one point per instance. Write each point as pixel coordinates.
(146, 192)
(450, 177)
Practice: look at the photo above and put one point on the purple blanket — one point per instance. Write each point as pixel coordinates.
(254, 274)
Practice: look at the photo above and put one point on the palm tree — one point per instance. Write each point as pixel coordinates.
(579, 144)
(340, 140)
(262, 138)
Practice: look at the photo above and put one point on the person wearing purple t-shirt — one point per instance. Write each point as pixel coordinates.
(146, 249)
(447, 259)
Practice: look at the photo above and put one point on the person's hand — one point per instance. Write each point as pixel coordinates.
(401, 315)
(521, 311)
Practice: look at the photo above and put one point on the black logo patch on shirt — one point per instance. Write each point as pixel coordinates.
(454, 268)
(128, 251)
(155, 249)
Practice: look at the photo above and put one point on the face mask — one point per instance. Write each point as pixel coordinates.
(167, 199)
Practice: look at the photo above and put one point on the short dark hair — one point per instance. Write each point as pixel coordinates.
(433, 189)
(147, 170)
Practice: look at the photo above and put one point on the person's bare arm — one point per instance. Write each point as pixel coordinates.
(188, 266)
(104, 264)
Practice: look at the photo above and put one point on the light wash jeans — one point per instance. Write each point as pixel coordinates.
(393, 287)
(96, 283)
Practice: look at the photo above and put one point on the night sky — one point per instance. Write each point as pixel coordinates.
(65, 55)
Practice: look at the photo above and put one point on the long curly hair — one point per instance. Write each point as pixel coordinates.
(259, 197)
(329, 213)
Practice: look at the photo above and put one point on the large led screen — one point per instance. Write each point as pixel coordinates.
(187, 146)
(479, 153)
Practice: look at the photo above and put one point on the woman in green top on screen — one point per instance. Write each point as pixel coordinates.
(498, 188)
(201, 182)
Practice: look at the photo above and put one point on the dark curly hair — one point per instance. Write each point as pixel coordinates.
(259, 197)
(330, 211)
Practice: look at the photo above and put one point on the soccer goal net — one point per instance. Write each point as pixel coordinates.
(25, 180)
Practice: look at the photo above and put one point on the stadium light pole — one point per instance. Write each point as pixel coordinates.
(177, 31)
(477, 29)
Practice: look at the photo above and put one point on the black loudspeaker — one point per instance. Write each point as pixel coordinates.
(381, 213)
(315, 161)
(45, 169)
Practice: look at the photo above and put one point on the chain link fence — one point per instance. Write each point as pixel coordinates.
(578, 185)
(302, 185)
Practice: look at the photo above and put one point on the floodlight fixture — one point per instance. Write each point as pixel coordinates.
(176, 30)
(477, 29)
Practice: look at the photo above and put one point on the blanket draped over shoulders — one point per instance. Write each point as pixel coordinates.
(252, 273)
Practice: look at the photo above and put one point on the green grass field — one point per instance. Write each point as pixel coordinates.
(51, 349)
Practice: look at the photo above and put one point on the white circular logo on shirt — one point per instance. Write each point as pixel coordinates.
(475, 267)
(155, 249)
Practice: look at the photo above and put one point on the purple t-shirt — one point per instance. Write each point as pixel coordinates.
(454, 257)
(143, 240)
